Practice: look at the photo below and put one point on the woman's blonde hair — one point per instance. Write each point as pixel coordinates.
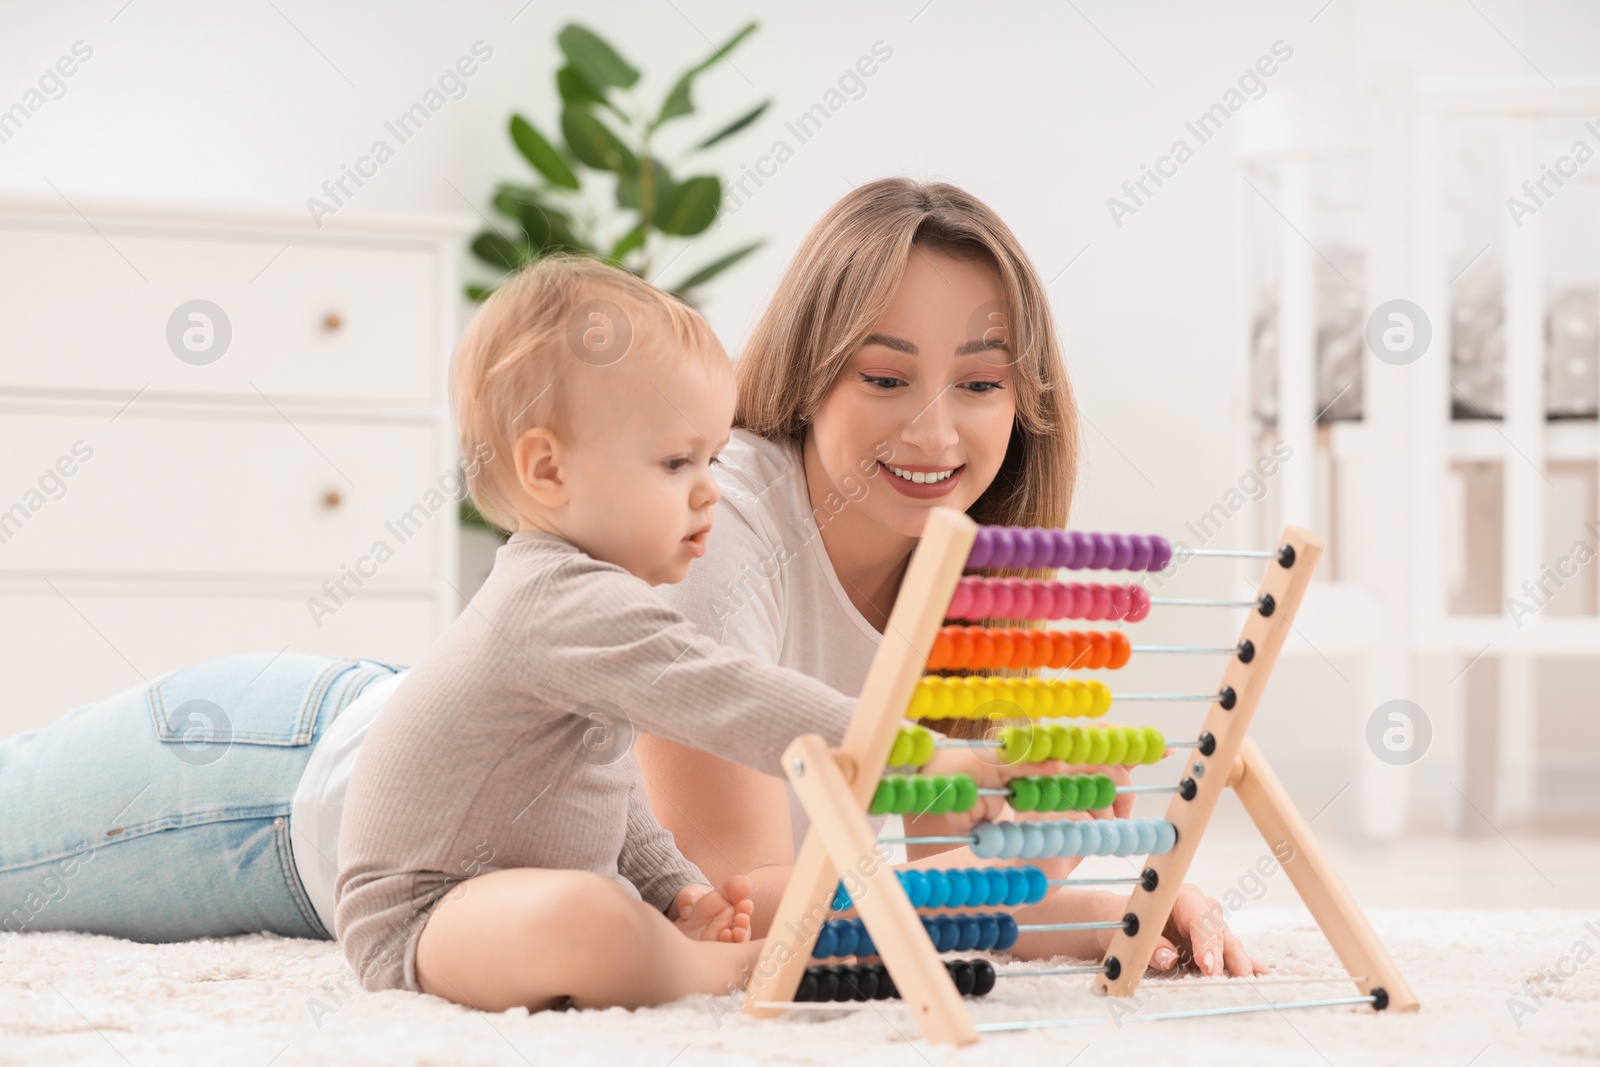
(840, 284)
(559, 316)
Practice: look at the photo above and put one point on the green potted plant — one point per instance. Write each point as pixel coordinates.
(610, 138)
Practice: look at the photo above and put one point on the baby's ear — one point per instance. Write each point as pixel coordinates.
(541, 459)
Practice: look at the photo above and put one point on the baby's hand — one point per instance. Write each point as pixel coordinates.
(707, 914)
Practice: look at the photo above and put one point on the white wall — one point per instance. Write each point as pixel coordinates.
(1042, 109)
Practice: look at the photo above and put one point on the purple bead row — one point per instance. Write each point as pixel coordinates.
(1021, 546)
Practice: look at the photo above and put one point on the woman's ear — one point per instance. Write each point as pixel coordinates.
(541, 462)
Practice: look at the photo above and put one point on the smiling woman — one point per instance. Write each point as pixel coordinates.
(911, 343)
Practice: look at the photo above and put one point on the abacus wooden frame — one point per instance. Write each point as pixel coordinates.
(836, 786)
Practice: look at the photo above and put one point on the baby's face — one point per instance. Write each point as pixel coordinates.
(642, 490)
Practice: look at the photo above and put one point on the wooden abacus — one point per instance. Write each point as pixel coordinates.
(840, 787)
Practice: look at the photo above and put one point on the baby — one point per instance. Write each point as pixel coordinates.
(497, 848)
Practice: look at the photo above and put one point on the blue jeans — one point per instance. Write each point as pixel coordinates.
(162, 813)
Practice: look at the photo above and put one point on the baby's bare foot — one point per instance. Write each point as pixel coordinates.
(719, 914)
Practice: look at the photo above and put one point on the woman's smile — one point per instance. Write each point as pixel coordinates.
(923, 482)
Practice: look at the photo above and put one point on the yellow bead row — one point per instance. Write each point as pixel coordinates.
(978, 697)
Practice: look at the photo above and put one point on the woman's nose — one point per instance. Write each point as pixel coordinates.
(931, 429)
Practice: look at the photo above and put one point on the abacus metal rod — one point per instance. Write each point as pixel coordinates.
(1180, 985)
(1155, 987)
(1242, 553)
(1037, 972)
(979, 742)
(1094, 881)
(937, 839)
(1229, 649)
(1202, 603)
(984, 791)
(1195, 1013)
(1043, 928)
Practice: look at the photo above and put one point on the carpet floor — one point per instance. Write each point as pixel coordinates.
(1497, 987)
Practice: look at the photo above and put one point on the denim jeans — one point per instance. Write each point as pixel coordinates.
(162, 813)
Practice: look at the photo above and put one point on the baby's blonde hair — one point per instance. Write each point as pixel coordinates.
(512, 370)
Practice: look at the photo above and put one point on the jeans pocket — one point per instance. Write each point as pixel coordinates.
(258, 698)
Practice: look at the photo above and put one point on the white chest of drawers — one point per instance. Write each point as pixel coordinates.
(165, 497)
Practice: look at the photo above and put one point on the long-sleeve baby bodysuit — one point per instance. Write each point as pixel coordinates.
(511, 745)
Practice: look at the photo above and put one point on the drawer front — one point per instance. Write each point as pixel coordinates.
(220, 494)
(315, 320)
(58, 655)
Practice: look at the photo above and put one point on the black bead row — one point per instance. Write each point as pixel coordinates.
(871, 981)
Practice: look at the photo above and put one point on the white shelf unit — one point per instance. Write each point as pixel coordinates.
(1391, 603)
(218, 497)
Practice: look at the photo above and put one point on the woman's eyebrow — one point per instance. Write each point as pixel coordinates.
(900, 344)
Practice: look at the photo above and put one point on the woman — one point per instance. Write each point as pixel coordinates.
(207, 803)
(909, 361)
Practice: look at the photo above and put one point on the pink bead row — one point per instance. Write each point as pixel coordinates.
(1031, 598)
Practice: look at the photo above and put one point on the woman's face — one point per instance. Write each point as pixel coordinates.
(924, 408)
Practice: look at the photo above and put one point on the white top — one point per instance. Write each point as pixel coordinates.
(765, 586)
(319, 799)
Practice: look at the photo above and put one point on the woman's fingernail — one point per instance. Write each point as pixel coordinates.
(1165, 958)
(1210, 958)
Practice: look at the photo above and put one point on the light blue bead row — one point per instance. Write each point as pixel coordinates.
(1073, 837)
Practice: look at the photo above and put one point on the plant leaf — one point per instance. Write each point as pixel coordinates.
(499, 252)
(678, 101)
(538, 151)
(593, 142)
(575, 88)
(548, 228)
(508, 199)
(593, 58)
(735, 126)
(631, 241)
(479, 293)
(687, 209)
(576, 91)
(630, 185)
(715, 267)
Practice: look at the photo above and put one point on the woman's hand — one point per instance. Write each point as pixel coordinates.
(1197, 933)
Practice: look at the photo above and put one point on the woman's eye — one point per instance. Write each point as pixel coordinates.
(987, 387)
(881, 382)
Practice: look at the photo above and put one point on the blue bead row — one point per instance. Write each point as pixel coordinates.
(973, 887)
(949, 933)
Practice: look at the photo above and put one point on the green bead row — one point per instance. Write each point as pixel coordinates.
(914, 794)
(1063, 792)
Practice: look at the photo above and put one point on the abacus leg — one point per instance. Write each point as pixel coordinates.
(1314, 877)
(529, 937)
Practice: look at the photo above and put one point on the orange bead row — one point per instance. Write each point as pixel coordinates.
(974, 647)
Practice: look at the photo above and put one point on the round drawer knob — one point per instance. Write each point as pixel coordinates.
(332, 321)
(332, 498)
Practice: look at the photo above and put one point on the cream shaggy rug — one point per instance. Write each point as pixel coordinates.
(1497, 987)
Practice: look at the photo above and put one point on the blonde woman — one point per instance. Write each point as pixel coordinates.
(908, 361)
